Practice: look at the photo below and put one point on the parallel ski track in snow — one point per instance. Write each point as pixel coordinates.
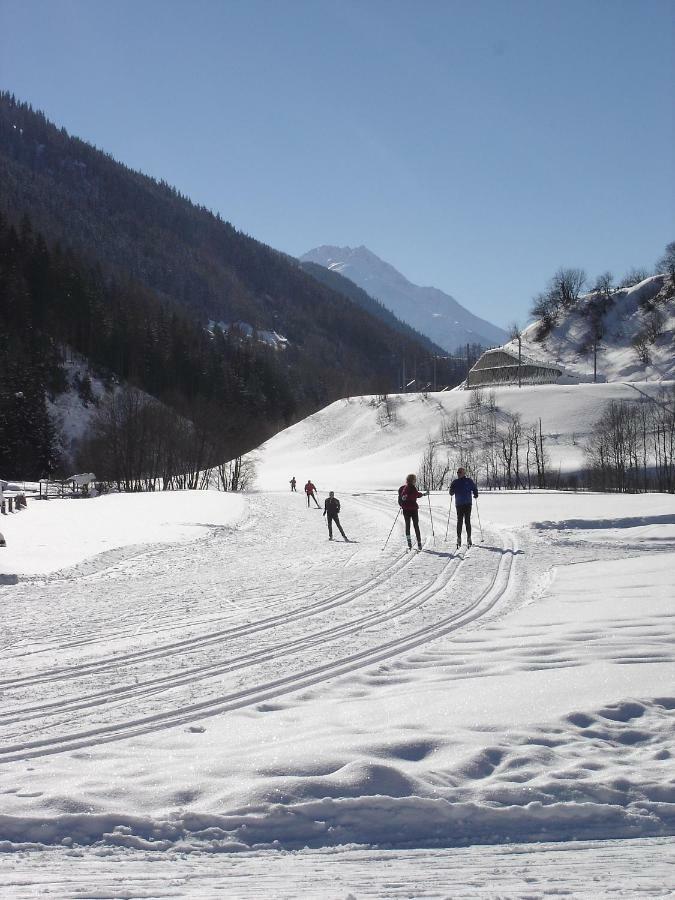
(341, 598)
(313, 676)
(410, 601)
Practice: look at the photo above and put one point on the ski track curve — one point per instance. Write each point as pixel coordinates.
(368, 627)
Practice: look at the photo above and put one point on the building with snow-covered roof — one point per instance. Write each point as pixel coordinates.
(503, 366)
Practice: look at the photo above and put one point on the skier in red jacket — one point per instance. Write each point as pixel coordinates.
(310, 490)
(408, 496)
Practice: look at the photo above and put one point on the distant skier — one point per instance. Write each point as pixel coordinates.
(293, 482)
(408, 496)
(463, 489)
(310, 490)
(331, 509)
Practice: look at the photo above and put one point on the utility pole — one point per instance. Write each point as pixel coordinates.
(520, 358)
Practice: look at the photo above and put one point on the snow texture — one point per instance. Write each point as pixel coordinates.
(204, 678)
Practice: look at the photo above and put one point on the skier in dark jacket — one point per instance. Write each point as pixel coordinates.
(408, 496)
(331, 509)
(292, 483)
(310, 490)
(463, 489)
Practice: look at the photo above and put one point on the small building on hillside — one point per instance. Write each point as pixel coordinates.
(500, 366)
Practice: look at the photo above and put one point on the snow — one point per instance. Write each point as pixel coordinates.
(55, 534)
(69, 414)
(203, 696)
(616, 359)
(347, 447)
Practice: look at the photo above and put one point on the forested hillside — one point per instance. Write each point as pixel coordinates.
(128, 272)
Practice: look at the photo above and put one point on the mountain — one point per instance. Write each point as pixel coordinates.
(127, 272)
(429, 310)
(333, 279)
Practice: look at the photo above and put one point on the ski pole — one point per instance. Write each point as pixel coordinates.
(479, 525)
(431, 517)
(447, 527)
(392, 528)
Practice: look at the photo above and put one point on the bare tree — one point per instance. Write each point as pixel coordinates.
(632, 277)
(603, 285)
(433, 469)
(666, 263)
(568, 285)
(386, 411)
(562, 293)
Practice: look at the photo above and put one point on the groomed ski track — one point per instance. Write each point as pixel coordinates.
(362, 606)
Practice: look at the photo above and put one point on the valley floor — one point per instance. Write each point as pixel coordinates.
(246, 708)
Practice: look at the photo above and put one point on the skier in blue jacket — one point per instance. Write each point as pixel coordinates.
(463, 489)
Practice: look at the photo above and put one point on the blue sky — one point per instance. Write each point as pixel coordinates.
(476, 146)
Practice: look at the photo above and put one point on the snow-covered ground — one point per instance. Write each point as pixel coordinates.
(208, 698)
(349, 446)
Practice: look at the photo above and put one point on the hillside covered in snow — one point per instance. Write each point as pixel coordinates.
(365, 443)
(631, 331)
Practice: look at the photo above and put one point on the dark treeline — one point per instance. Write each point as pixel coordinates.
(50, 300)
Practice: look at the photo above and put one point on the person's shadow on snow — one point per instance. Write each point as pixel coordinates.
(502, 550)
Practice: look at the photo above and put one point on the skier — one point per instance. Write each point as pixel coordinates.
(407, 500)
(310, 490)
(331, 509)
(293, 482)
(463, 489)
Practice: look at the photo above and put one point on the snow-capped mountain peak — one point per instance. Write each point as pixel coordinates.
(428, 309)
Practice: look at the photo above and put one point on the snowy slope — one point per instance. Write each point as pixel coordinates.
(345, 446)
(436, 314)
(617, 360)
(71, 416)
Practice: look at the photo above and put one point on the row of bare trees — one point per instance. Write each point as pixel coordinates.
(136, 443)
(632, 447)
(494, 446)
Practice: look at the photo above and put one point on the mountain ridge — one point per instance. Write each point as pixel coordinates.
(427, 309)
